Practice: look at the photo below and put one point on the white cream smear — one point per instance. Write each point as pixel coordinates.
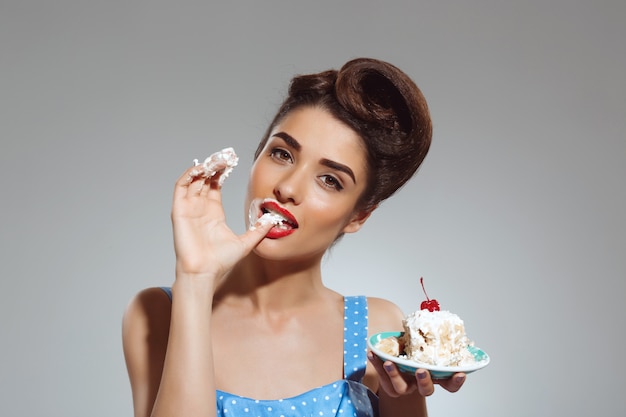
(437, 338)
(266, 218)
(223, 161)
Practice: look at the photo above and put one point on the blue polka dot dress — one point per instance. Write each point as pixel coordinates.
(344, 398)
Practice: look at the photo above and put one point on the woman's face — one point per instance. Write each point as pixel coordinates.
(310, 174)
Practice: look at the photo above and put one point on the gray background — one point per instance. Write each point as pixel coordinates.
(516, 219)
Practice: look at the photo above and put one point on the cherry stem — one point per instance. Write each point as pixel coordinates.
(424, 289)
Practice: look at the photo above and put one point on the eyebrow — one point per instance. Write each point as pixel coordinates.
(339, 167)
(291, 141)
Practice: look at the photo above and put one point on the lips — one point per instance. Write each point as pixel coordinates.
(286, 222)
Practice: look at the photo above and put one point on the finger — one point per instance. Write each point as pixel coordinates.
(204, 187)
(218, 170)
(212, 185)
(216, 181)
(425, 384)
(185, 177)
(385, 382)
(212, 190)
(199, 186)
(195, 183)
(186, 181)
(213, 167)
(254, 235)
(198, 172)
(454, 383)
(395, 377)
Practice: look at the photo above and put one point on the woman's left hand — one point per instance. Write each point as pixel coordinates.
(396, 383)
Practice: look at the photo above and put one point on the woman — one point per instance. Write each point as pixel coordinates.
(248, 324)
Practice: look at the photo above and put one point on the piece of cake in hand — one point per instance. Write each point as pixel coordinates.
(431, 336)
(436, 338)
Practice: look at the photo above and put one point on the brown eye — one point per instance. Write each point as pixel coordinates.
(280, 154)
(331, 182)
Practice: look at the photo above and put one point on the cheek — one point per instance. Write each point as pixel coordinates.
(252, 187)
(331, 212)
(255, 178)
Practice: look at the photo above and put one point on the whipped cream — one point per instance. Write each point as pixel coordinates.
(270, 218)
(224, 161)
(436, 338)
(265, 218)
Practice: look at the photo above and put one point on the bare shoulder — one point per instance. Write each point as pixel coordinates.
(150, 307)
(383, 315)
(145, 331)
(146, 321)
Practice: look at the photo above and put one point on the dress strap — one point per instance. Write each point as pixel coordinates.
(355, 337)
(168, 291)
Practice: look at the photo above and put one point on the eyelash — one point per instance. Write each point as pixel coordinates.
(282, 155)
(335, 183)
(279, 153)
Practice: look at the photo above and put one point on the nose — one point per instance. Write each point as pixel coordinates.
(290, 187)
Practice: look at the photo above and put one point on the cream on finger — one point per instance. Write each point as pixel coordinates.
(222, 162)
(265, 211)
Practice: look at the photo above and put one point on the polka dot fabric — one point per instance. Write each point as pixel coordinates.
(344, 398)
(355, 337)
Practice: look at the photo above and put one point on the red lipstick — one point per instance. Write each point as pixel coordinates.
(288, 225)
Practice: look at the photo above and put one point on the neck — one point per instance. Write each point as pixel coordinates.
(271, 284)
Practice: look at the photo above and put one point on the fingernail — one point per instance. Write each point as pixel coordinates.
(370, 355)
(421, 374)
(460, 379)
(388, 367)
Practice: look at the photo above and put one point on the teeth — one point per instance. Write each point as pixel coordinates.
(275, 215)
(267, 216)
(271, 217)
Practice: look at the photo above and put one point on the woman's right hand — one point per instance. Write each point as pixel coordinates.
(205, 246)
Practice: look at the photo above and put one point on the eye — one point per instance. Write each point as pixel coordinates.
(280, 155)
(331, 182)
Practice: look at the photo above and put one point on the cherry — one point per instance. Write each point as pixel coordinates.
(430, 305)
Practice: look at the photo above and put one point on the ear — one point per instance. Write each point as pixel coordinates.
(357, 221)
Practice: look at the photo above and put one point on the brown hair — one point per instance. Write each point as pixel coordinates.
(386, 109)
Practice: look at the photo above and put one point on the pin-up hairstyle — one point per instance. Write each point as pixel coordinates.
(383, 106)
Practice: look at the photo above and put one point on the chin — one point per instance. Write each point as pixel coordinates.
(282, 250)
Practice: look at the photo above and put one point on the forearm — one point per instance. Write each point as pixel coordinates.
(413, 405)
(187, 385)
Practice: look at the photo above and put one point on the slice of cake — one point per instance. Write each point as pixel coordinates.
(437, 338)
(431, 336)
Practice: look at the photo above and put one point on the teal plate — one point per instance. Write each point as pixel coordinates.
(436, 371)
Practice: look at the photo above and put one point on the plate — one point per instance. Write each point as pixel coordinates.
(436, 371)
